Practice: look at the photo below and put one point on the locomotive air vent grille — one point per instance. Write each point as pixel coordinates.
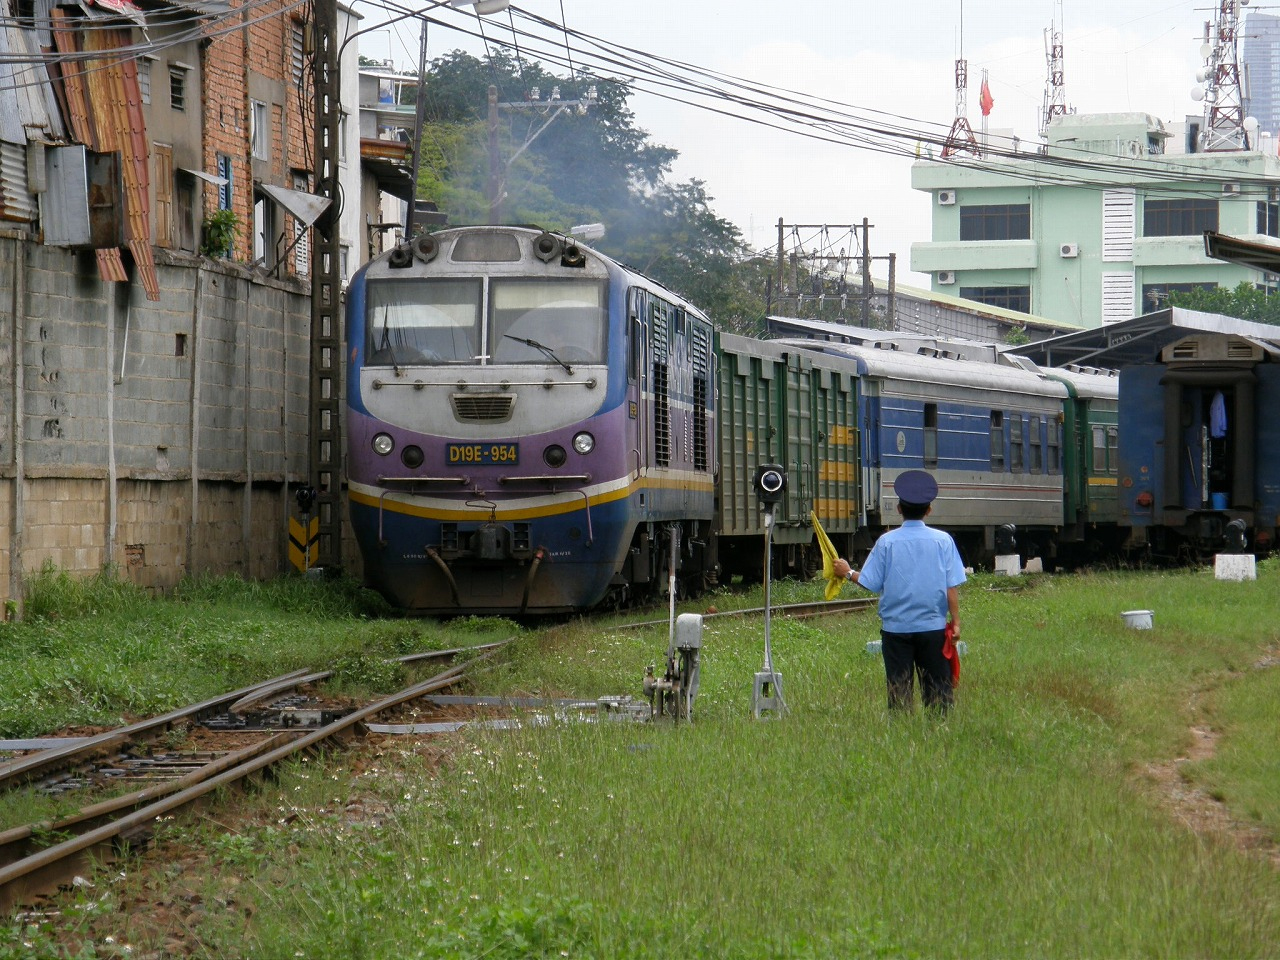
(483, 407)
(1186, 350)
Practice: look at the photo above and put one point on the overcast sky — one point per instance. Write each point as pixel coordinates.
(887, 55)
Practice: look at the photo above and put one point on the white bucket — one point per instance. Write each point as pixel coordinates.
(1137, 619)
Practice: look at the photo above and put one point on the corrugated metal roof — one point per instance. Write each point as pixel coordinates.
(16, 201)
(28, 107)
(1141, 339)
(105, 106)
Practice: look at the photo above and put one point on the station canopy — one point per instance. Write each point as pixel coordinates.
(1141, 339)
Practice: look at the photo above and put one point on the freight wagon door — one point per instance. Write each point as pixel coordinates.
(797, 447)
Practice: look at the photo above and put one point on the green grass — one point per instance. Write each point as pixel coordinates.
(1021, 826)
(101, 652)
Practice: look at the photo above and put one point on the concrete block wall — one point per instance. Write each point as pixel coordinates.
(152, 520)
(64, 522)
(103, 392)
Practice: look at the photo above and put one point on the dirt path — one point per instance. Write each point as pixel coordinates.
(1194, 806)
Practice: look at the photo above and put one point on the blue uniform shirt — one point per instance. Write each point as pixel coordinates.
(911, 568)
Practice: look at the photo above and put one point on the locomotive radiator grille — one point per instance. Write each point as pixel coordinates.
(483, 407)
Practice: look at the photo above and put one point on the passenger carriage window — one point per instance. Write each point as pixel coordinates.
(1099, 449)
(1015, 443)
(422, 322)
(1037, 454)
(997, 441)
(1113, 453)
(547, 321)
(930, 434)
(1055, 446)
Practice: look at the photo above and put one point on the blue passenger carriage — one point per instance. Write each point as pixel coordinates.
(990, 428)
(530, 425)
(1200, 443)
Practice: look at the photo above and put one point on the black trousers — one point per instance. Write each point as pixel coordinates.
(908, 654)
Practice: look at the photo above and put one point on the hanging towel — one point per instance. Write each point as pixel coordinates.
(1218, 416)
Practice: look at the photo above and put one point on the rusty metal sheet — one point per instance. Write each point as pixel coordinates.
(104, 101)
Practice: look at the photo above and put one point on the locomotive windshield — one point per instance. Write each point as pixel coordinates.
(567, 317)
(423, 321)
(435, 321)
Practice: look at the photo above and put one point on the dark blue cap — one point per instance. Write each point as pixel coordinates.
(916, 486)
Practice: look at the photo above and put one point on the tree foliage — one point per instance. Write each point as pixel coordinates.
(563, 165)
(1245, 302)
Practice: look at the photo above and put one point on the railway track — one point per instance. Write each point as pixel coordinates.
(31, 865)
(38, 858)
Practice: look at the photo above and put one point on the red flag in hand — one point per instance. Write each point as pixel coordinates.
(951, 653)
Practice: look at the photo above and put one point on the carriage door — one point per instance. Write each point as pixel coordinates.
(1210, 418)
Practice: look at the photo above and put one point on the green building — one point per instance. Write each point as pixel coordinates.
(1098, 228)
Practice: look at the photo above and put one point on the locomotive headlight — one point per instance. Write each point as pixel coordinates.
(412, 456)
(554, 455)
(584, 443)
(383, 444)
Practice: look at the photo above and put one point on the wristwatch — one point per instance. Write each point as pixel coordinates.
(849, 576)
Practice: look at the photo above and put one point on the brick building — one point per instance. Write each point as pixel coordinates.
(154, 410)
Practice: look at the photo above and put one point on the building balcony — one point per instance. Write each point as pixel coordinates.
(1169, 252)
(930, 257)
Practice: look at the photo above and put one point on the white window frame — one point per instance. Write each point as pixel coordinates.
(260, 129)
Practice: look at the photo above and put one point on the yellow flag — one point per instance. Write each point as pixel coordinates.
(829, 556)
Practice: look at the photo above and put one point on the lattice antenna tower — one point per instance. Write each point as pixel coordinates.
(1224, 123)
(1055, 89)
(960, 139)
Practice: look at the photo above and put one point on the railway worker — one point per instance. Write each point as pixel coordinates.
(917, 571)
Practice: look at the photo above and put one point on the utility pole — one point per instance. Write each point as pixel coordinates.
(325, 415)
(866, 274)
(494, 188)
(419, 117)
(861, 291)
(497, 169)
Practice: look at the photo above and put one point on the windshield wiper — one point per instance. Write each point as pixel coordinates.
(386, 344)
(544, 348)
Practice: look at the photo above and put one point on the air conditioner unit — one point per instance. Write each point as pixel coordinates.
(946, 276)
(1230, 189)
(1069, 251)
(946, 198)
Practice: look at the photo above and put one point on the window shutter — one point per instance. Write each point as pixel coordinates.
(1117, 227)
(1117, 297)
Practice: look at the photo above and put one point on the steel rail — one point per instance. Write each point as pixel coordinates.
(45, 870)
(273, 687)
(26, 768)
(19, 842)
(796, 611)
